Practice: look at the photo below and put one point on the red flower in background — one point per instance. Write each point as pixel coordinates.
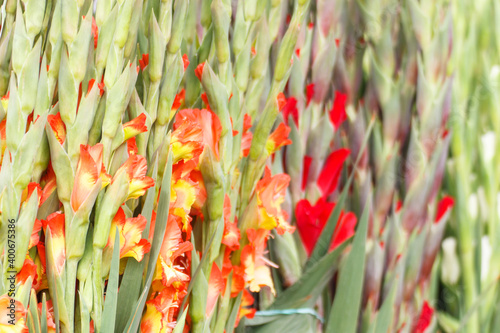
(443, 207)
(329, 176)
(290, 109)
(312, 219)
(337, 113)
(425, 318)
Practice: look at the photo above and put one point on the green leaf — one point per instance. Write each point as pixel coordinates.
(181, 321)
(310, 285)
(385, 314)
(234, 313)
(131, 282)
(345, 309)
(43, 315)
(110, 303)
(160, 227)
(33, 312)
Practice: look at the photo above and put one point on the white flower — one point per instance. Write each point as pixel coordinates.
(450, 268)
(485, 257)
(488, 142)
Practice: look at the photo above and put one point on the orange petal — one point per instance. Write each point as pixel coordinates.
(55, 222)
(278, 138)
(135, 126)
(87, 174)
(57, 126)
(35, 236)
(215, 287)
(19, 313)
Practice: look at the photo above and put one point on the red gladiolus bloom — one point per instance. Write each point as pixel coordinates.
(443, 207)
(185, 61)
(329, 176)
(199, 70)
(309, 93)
(312, 219)
(425, 318)
(144, 61)
(290, 108)
(337, 113)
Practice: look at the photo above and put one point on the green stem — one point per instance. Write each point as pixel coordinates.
(98, 289)
(71, 269)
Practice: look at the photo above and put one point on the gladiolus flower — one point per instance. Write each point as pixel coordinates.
(312, 219)
(281, 99)
(337, 113)
(290, 109)
(278, 139)
(135, 168)
(135, 126)
(199, 70)
(193, 130)
(159, 316)
(6, 320)
(144, 61)
(5, 101)
(28, 269)
(425, 318)
(172, 248)
(329, 176)
(55, 222)
(309, 93)
(88, 172)
(247, 136)
(215, 288)
(444, 206)
(270, 192)
(3, 139)
(231, 236)
(95, 32)
(57, 126)
(132, 146)
(204, 98)
(35, 237)
(185, 61)
(130, 233)
(245, 309)
(254, 263)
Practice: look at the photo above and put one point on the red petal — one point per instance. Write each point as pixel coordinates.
(309, 92)
(444, 205)
(337, 113)
(329, 176)
(305, 171)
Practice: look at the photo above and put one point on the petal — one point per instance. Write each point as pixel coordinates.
(278, 138)
(329, 176)
(135, 126)
(215, 288)
(57, 126)
(87, 175)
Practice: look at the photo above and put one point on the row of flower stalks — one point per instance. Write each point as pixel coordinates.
(135, 144)
(471, 266)
(372, 76)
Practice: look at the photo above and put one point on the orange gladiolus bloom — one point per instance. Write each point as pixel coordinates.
(270, 195)
(172, 248)
(136, 168)
(278, 139)
(256, 266)
(55, 222)
(130, 233)
(193, 130)
(12, 312)
(89, 170)
(135, 126)
(57, 126)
